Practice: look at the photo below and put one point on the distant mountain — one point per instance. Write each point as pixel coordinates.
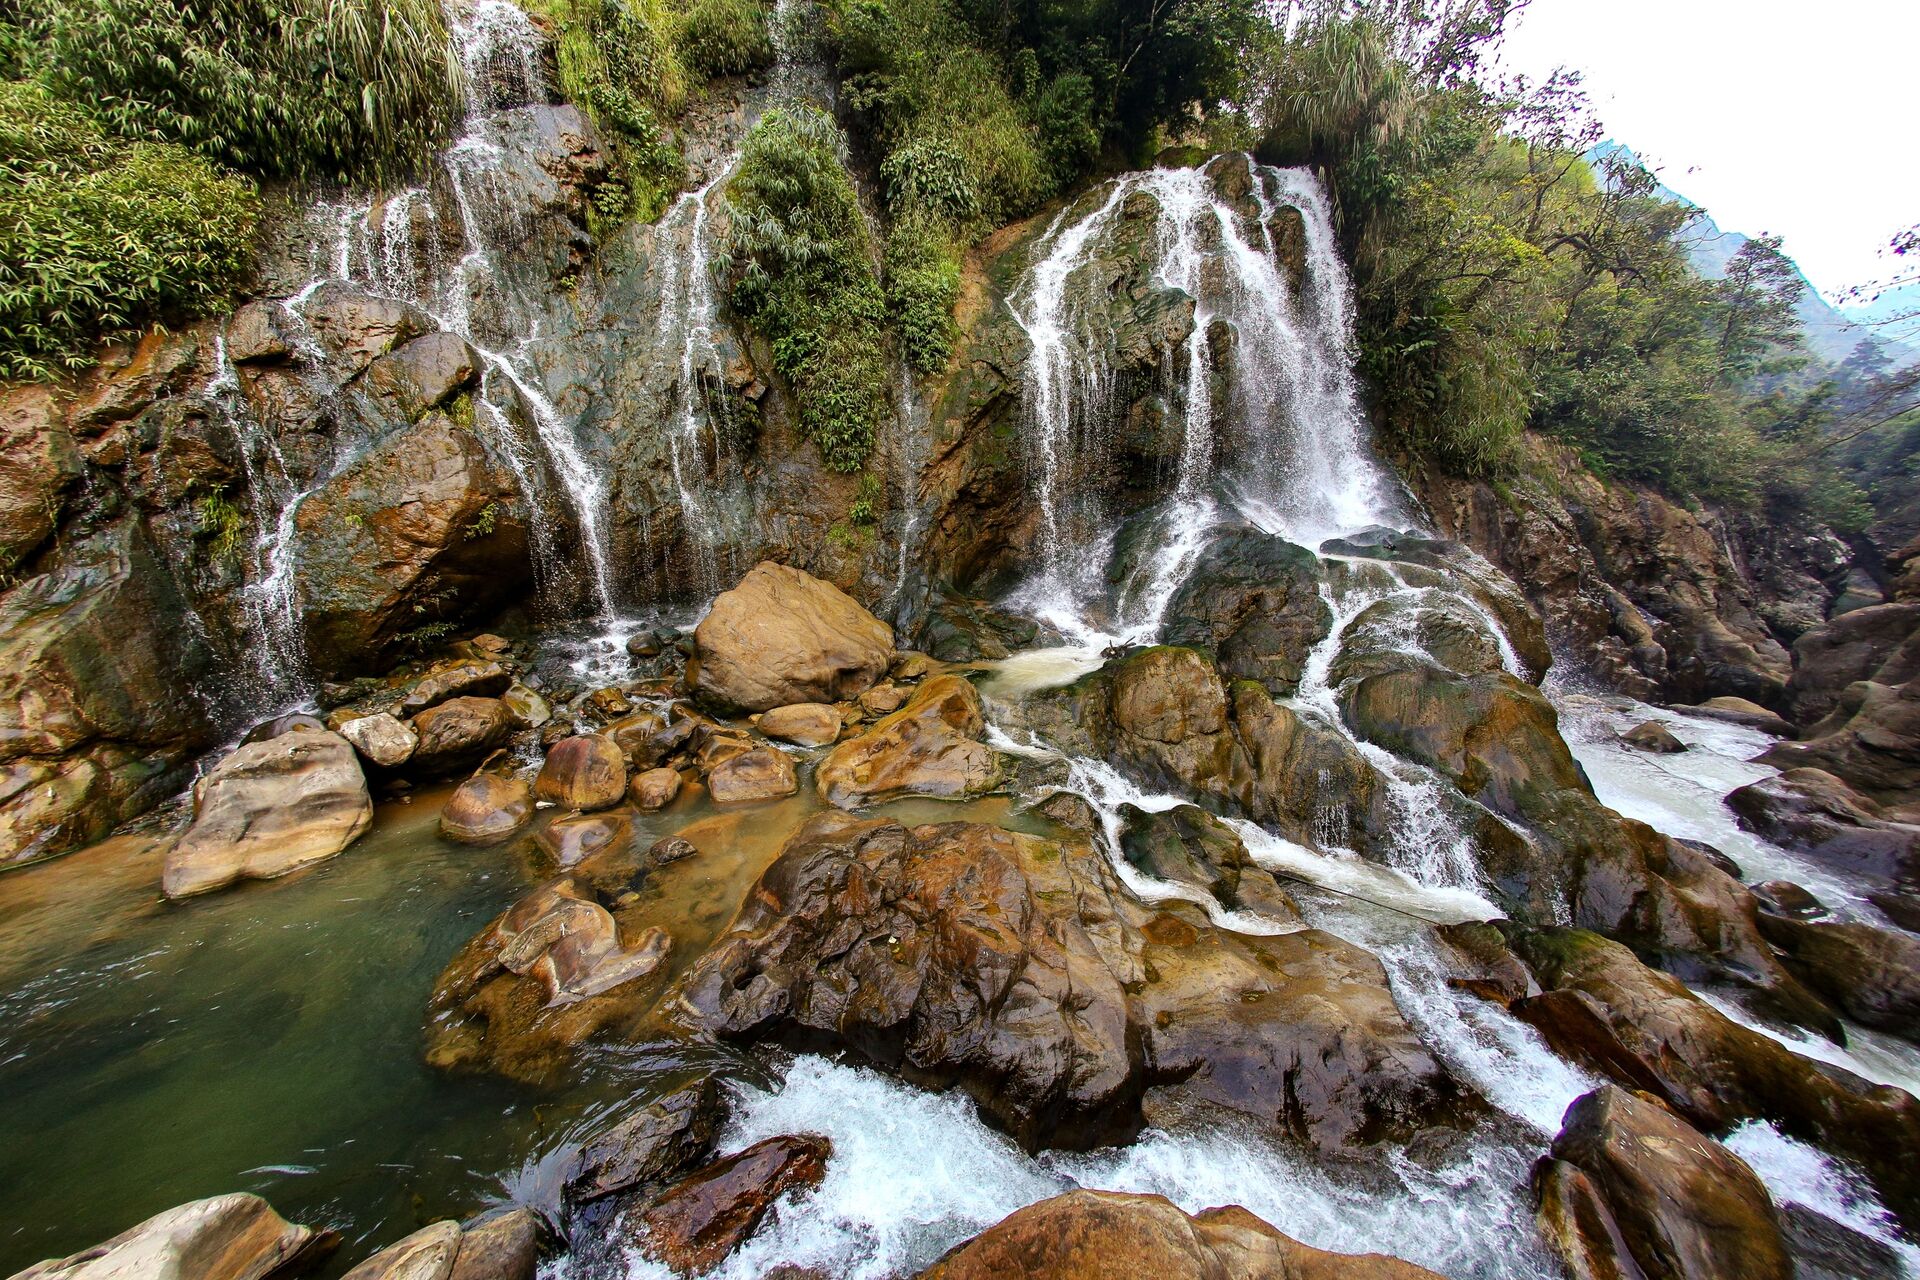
(1831, 336)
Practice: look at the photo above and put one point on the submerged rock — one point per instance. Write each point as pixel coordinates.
(651, 1143)
(930, 747)
(571, 840)
(759, 773)
(268, 809)
(1111, 1235)
(1653, 738)
(1629, 1184)
(700, 1220)
(783, 636)
(1021, 970)
(486, 809)
(230, 1237)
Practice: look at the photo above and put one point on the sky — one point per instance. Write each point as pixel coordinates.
(1801, 120)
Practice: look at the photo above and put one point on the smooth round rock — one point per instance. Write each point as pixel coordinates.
(486, 809)
(654, 789)
(584, 772)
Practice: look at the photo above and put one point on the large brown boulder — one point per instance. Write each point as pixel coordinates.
(270, 808)
(930, 747)
(420, 531)
(457, 733)
(553, 971)
(230, 1237)
(1110, 1235)
(805, 724)
(1871, 975)
(1254, 600)
(650, 1143)
(486, 809)
(1021, 970)
(504, 1246)
(783, 636)
(1645, 1030)
(585, 772)
(707, 1215)
(758, 773)
(1626, 1173)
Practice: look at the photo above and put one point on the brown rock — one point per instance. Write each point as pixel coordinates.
(1654, 738)
(806, 724)
(425, 373)
(609, 703)
(458, 733)
(583, 772)
(38, 463)
(1110, 1235)
(505, 1246)
(669, 849)
(1739, 711)
(702, 1219)
(268, 809)
(651, 1143)
(1188, 845)
(654, 788)
(1815, 813)
(230, 1237)
(257, 334)
(782, 636)
(527, 708)
(427, 1254)
(762, 773)
(1684, 1207)
(572, 840)
(929, 747)
(486, 809)
(382, 739)
(882, 699)
(470, 679)
(1872, 975)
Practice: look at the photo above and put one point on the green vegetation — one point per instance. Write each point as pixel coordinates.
(99, 235)
(1504, 282)
(331, 89)
(801, 271)
(725, 37)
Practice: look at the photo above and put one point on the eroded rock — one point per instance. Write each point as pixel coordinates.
(585, 772)
(757, 773)
(805, 724)
(930, 747)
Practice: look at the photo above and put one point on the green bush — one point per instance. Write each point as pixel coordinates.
(923, 283)
(330, 89)
(99, 235)
(618, 63)
(725, 37)
(802, 274)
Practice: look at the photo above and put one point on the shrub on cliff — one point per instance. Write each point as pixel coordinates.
(99, 235)
(802, 274)
(724, 37)
(327, 89)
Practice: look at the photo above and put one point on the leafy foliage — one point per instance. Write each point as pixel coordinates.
(801, 271)
(331, 89)
(725, 37)
(99, 235)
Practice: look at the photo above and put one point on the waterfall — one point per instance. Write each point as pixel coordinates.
(1281, 442)
(392, 247)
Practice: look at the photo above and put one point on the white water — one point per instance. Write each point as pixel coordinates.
(1291, 413)
(1796, 1173)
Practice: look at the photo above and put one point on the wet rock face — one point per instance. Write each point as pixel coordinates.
(1815, 813)
(421, 530)
(1187, 845)
(1253, 600)
(230, 1237)
(270, 808)
(39, 462)
(1871, 975)
(1601, 1008)
(700, 1220)
(947, 953)
(1110, 1235)
(782, 636)
(1629, 1184)
(651, 1143)
(930, 747)
(551, 972)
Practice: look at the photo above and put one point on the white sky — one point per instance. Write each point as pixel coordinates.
(1797, 119)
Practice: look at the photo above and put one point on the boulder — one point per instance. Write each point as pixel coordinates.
(503, 1246)
(357, 328)
(882, 699)
(1815, 813)
(38, 464)
(805, 724)
(268, 809)
(1825, 1250)
(1254, 601)
(1603, 1009)
(1860, 646)
(759, 773)
(456, 734)
(382, 739)
(653, 789)
(1188, 845)
(527, 708)
(571, 840)
(230, 1237)
(1019, 969)
(486, 809)
(1871, 975)
(471, 678)
(550, 973)
(421, 531)
(706, 1216)
(1111, 1235)
(1653, 738)
(1749, 715)
(1629, 1184)
(650, 1143)
(783, 636)
(427, 1254)
(425, 373)
(930, 747)
(587, 771)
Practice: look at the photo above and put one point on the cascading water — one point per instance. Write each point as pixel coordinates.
(1287, 411)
